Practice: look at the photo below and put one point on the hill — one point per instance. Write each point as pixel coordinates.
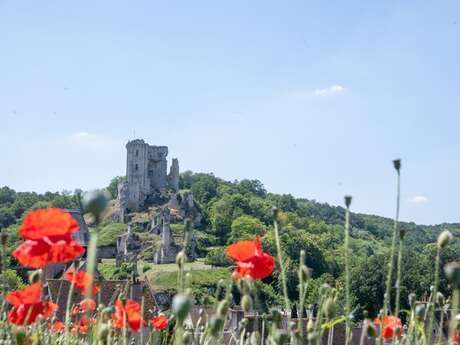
(242, 209)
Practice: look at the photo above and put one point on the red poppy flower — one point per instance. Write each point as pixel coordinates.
(130, 313)
(27, 305)
(86, 305)
(455, 338)
(159, 322)
(47, 222)
(392, 326)
(250, 259)
(82, 281)
(48, 238)
(53, 249)
(82, 326)
(56, 326)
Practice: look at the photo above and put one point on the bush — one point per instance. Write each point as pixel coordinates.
(217, 256)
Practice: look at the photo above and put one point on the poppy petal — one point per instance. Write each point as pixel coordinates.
(242, 250)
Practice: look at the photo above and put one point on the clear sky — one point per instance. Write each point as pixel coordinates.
(313, 98)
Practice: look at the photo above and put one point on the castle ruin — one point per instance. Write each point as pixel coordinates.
(146, 174)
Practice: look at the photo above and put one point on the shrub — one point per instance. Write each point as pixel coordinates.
(217, 257)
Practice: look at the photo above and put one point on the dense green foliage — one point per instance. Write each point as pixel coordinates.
(217, 256)
(14, 204)
(239, 210)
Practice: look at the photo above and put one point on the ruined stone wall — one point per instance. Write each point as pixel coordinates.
(173, 177)
(157, 168)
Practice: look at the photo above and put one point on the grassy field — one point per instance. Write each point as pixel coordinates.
(164, 277)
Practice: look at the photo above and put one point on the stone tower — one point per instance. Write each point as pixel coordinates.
(147, 173)
(173, 177)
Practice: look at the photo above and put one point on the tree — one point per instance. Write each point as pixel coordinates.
(223, 211)
(204, 187)
(254, 187)
(368, 285)
(113, 186)
(246, 228)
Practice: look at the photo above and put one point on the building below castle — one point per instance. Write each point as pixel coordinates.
(146, 175)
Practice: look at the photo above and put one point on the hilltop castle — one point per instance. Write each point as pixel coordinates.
(146, 174)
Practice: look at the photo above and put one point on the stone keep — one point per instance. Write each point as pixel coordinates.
(146, 173)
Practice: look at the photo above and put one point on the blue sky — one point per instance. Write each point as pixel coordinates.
(314, 98)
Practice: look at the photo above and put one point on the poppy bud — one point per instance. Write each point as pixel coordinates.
(95, 202)
(122, 298)
(452, 271)
(329, 308)
(180, 259)
(4, 238)
(402, 233)
(243, 323)
(201, 313)
(255, 338)
(222, 308)
(181, 306)
(35, 277)
(348, 200)
(275, 314)
(246, 303)
(440, 299)
(310, 325)
(221, 283)
(188, 279)
(281, 337)
(444, 238)
(216, 324)
(412, 299)
(397, 164)
(420, 311)
(371, 330)
(324, 289)
(304, 273)
(275, 213)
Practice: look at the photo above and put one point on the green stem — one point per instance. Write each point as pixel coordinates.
(142, 318)
(281, 263)
(386, 302)
(434, 295)
(398, 278)
(453, 313)
(347, 277)
(67, 311)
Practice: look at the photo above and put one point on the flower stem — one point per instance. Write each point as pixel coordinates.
(281, 263)
(398, 277)
(453, 313)
(386, 303)
(434, 295)
(347, 272)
